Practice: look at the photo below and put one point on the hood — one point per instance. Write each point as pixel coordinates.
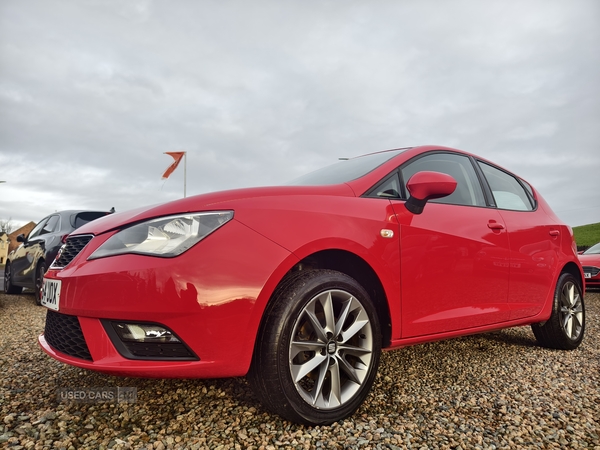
(593, 259)
(213, 201)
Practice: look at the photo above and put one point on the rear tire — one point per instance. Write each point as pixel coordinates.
(9, 287)
(318, 348)
(39, 281)
(566, 326)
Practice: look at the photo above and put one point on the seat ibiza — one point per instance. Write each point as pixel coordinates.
(300, 287)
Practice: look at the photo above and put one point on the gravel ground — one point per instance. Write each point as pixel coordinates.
(496, 390)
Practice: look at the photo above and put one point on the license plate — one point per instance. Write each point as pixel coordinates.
(587, 275)
(51, 294)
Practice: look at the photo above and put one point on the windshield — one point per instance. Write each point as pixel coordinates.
(593, 250)
(345, 170)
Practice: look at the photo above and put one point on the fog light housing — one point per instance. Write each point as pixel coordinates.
(147, 341)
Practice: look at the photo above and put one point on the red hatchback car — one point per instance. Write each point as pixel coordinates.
(590, 259)
(300, 287)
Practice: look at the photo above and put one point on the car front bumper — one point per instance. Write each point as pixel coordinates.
(211, 296)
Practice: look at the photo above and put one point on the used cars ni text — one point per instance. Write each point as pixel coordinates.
(301, 286)
(26, 265)
(590, 259)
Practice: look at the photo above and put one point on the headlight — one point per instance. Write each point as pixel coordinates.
(166, 236)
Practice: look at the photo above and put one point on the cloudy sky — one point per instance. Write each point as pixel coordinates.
(93, 92)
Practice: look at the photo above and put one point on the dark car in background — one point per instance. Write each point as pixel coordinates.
(590, 260)
(26, 265)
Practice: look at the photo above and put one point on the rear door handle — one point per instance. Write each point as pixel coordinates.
(495, 225)
(554, 233)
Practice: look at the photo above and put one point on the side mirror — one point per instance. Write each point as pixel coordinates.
(21, 238)
(424, 186)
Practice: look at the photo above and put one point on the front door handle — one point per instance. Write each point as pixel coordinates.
(493, 225)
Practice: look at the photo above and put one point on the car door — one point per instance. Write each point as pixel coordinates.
(22, 258)
(534, 240)
(455, 254)
(33, 249)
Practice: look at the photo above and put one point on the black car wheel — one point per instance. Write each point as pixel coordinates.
(564, 330)
(9, 287)
(318, 349)
(39, 281)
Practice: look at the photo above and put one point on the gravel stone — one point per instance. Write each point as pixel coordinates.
(497, 390)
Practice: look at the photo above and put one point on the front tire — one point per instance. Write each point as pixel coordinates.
(9, 287)
(566, 326)
(318, 348)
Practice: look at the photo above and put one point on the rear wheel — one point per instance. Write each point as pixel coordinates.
(39, 281)
(9, 287)
(318, 349)
(566, 326)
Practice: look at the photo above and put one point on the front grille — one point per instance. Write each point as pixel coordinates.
(63, 333)
(71, 249)
(590, 269)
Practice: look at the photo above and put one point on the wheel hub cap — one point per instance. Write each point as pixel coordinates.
(331, 347)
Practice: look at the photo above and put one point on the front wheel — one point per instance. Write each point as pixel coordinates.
(9, 287)
(564, 330)
(318, 348)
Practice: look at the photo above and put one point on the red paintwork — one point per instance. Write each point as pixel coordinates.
(450, 271)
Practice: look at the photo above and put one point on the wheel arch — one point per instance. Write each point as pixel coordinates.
(354, 266)
(574, 270)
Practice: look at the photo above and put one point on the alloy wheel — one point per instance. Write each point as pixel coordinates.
(331, 349)
(571, 311)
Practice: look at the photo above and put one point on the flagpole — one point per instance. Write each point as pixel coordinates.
(184, 172)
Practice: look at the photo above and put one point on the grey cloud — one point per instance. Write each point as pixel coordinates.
(92, 93)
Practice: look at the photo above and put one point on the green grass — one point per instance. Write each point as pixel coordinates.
(587, 235)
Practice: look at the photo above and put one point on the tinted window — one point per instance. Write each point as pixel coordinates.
(507, 191)
(346, 170)
(468, 190)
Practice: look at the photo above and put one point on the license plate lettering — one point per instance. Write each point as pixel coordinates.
(51, 294)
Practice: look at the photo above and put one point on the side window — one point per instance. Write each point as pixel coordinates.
(507, 191)
(468, 190)
(388, 188)
(51, 225)
(37, 229)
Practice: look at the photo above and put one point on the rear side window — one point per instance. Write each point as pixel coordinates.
(507, 191)
(468, 190)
